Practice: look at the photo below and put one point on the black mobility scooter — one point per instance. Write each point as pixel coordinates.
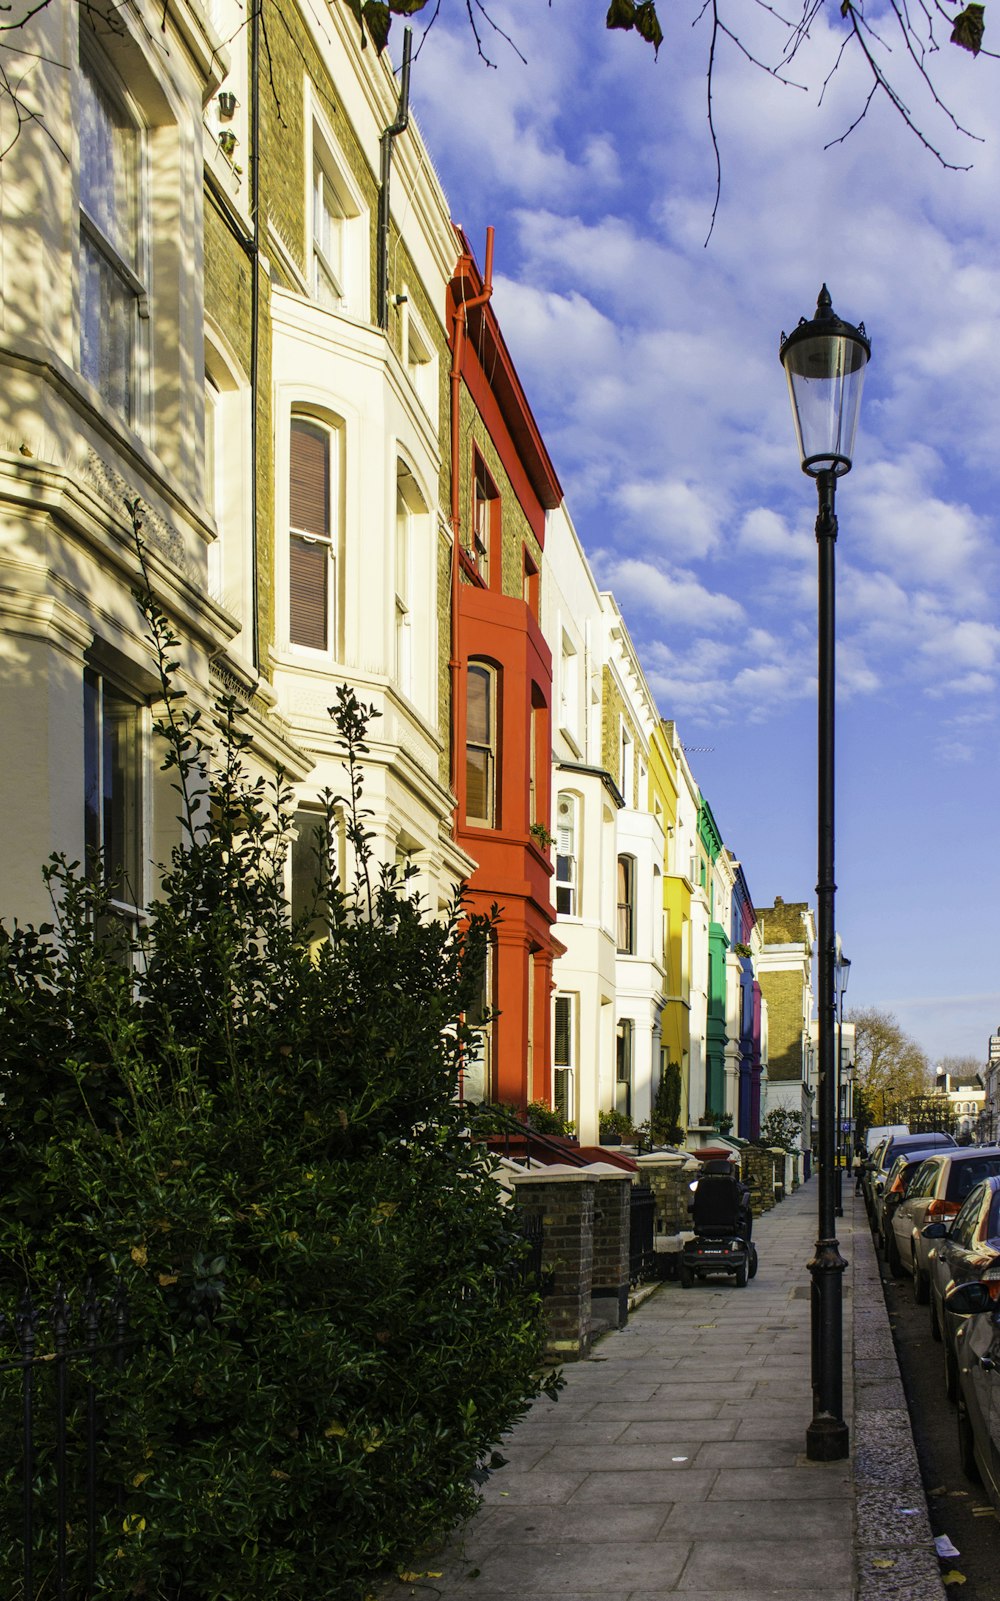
(723, 1223)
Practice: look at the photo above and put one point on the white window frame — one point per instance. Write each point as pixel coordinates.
(564, 1074)
(98, 685)
(567, 874)
(340, 286)
(419, 357)
(227, 483)
(330, 540)
(131, 405)
(403, 564)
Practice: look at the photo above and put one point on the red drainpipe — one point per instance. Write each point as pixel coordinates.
(459, 322)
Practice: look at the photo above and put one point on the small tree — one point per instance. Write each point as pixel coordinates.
(664, 1124)
(258, 1134)
(780, 1127)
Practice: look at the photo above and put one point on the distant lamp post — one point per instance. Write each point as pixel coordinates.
(843, 973)
(824, 361)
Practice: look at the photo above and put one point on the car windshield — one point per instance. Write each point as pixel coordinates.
(993, 1227)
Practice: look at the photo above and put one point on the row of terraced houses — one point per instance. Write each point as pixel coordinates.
(232, 288)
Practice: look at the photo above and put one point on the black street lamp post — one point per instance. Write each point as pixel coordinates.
(824, 361)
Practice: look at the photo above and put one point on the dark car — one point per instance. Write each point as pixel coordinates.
(975, 1307)
(882, 1159)
(936, 1193)
(964, 1251)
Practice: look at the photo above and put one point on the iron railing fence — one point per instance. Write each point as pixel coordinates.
(55, 1367)
(641, 1253)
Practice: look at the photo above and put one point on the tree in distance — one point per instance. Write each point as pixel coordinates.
(890, 1068)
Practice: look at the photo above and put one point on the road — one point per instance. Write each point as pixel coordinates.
(956, 1505)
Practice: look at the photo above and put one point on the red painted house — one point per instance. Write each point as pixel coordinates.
(502, 485)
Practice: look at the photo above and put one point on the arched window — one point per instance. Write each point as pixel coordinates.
(481, 787)
(626, 905)
(567, 857)
(312, 570)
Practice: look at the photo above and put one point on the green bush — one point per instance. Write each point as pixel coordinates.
(780, 1128)
(257, 1133)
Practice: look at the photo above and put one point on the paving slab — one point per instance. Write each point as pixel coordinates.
(673, 1463)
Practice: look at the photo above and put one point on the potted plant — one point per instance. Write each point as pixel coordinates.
(614, 1127)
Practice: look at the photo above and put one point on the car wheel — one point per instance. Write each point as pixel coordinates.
(741, 1276)
(892, 1255)
(950, 1374)
(753, 1262)
(966, 1450)
(687, 1278)
(921, 1285)
(935, 1325)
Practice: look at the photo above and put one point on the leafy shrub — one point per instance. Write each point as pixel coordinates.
(257, 1133)
(615, 1122)
(780, 1128)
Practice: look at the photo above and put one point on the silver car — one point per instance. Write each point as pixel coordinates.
(964, 1251)
(975, 1306)
(936, 1193)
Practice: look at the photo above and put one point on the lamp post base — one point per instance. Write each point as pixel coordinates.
(827, 1440)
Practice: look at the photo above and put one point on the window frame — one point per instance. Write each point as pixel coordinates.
(480, 548)
(99, 77)
(301, 420)
(348, 279)
(564, 1073)
(567, 886)
(626, 906)
(490, 745)
(98, 687)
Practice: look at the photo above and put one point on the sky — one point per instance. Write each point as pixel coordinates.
(650, 359)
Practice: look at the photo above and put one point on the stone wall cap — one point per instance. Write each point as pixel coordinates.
(681, 1159)
(559, 1174)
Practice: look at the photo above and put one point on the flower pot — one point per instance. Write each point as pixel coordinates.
(227, 144)
(610, 1139)
(227, 105)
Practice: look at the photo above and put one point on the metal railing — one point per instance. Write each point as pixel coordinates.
(54, 1401)
(641, 1252)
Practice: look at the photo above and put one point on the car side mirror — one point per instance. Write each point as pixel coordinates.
(935, 1231)
(966, 1299)
(879, 1186)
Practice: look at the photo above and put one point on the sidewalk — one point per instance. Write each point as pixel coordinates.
(674, 1461)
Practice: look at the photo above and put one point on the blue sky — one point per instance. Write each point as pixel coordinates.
(651, 362)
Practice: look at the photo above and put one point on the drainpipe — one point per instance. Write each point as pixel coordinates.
(385, 147)
(459, 322)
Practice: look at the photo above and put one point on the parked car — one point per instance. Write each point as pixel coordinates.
(897, 1183)
(936, 1192)
(975, 1306)
(883, 1158)
(964, 1251)
(883, 1131)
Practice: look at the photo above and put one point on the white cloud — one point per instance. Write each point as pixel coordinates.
(670, 597)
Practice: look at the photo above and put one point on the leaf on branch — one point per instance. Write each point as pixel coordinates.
(969, 28)
(621, 14)
(648, 25)
(377, 19)
(406, 8)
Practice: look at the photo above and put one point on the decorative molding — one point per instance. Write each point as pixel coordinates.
(115, 490)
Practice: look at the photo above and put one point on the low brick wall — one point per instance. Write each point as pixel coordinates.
(612, 1224)
(757, 1167)
(566, 1203)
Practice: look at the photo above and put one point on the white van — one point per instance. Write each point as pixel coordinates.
(875, 1136)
